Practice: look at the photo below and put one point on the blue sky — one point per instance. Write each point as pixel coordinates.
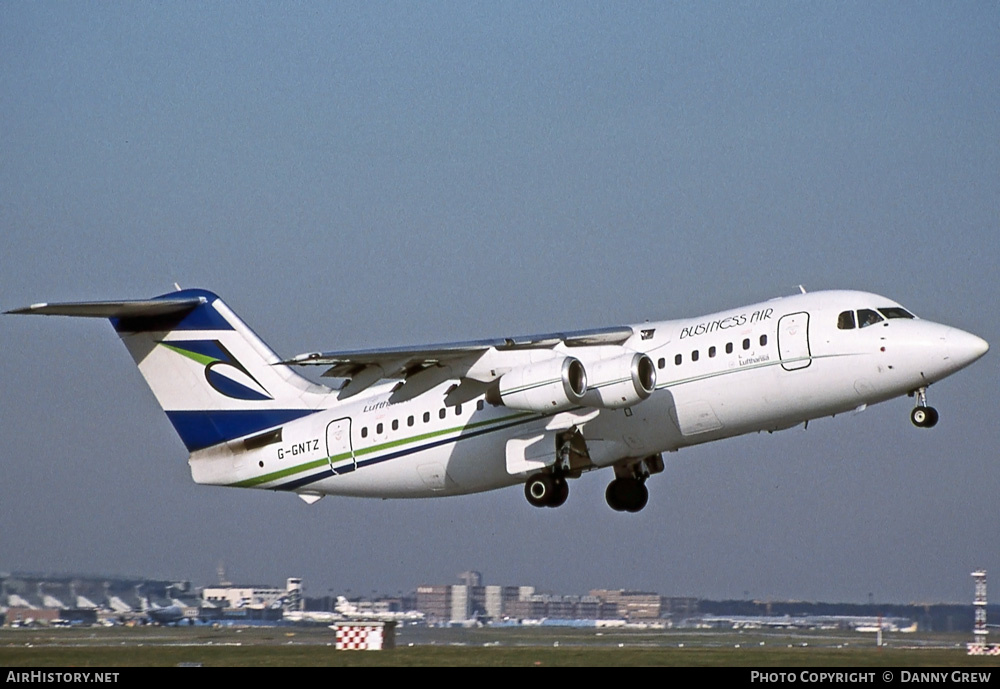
(376, 174)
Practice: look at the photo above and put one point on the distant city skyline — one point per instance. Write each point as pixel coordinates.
(374, 594)
(98, 600)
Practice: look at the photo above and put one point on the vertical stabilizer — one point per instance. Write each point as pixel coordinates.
(215, 379)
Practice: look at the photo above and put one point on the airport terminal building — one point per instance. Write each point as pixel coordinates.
(28, 599)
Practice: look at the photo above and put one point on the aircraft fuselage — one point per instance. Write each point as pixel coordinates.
(762, 367)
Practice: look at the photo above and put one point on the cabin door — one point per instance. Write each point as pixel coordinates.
(793, 341)
(338, 446)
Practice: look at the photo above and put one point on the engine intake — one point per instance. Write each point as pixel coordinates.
(621, 381)
(552, 385)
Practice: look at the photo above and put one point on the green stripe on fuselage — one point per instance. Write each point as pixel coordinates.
(318, 463)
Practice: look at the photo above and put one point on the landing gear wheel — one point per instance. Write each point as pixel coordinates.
(611, 495)
(924, 417)
(638, 497)
(626, 495)
(559, 493)
(539, 490)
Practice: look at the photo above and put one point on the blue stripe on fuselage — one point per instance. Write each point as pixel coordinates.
(327, 473)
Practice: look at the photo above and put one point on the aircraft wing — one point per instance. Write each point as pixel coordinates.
(426, 366)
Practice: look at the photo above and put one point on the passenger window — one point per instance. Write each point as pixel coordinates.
(677, 360)
(479, 405)
(661, 363)
(409, 421)
(442, 413)
(763, 340)
(694, 355)
(364, 431)
(458, 410)
(845, 321)
(729, 348)
(395, 424)
(746, 343)
(711, 352)
(378, 429)
(868, 317)
(427, 416)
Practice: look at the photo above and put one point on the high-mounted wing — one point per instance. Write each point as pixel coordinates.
(475, 363)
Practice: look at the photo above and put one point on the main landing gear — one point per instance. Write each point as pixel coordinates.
(628, 492)
(625, 494)
(546, 490)
(550, 488)
(923, 416)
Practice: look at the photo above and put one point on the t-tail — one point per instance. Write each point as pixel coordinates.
(215, 379)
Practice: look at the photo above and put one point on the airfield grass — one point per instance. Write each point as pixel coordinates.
(282, 647)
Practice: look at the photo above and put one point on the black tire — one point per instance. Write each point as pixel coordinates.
(539, 490)
(612, 496)
(638, 497)
(924, 417)
(559, 493)
(631, 494)
(932, 417)
(626, 495)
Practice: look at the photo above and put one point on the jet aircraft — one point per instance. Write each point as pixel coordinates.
(466, 417)
(352, 611)
(172, 614)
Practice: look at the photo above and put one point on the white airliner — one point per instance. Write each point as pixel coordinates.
(353, 611)
(466, 417)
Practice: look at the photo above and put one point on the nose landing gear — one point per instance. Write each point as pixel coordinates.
(923, 416)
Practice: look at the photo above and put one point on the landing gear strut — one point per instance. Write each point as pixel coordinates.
(551, 488)
(923, 416)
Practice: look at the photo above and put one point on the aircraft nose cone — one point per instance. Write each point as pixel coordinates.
(964, 348)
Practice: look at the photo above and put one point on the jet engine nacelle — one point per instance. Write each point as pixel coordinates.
(621, 381)
(545, 386)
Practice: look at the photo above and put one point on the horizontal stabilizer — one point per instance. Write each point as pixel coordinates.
(137, 308)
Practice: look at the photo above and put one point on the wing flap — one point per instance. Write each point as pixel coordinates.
(360, 380)
(422, 381)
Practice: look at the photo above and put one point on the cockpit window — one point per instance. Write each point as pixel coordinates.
(895, 312)
(868, 317)
(845, 321)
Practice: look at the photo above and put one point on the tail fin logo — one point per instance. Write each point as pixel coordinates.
(223, 371)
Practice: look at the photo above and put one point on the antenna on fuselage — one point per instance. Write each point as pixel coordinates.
(802, 289)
